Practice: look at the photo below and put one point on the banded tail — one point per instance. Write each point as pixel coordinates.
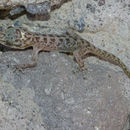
(104, 55)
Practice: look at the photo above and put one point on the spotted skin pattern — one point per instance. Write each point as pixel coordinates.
(20, 38)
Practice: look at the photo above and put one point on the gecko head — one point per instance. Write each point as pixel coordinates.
(11, 37)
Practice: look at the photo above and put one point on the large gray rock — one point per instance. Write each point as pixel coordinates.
(52, 96)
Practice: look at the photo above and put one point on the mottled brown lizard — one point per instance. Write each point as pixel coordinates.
(20, 38)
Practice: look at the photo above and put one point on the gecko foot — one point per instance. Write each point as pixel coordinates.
(17, 68)
(84, 74)
(24, 66)
(83, 71)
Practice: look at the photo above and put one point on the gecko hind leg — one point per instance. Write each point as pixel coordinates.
(79, 56)
(79, 60)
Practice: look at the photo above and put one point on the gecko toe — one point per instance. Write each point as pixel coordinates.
(18, 68)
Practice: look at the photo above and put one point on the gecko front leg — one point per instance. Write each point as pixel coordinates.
(34, 59)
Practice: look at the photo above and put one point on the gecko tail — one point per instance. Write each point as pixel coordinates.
(125, 69)
(104, 55)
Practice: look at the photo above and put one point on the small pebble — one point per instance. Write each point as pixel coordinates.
(91, 8)
(101, 2)
(81, 25)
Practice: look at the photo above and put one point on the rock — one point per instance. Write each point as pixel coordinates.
(35, 10)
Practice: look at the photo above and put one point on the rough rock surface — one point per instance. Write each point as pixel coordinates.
(35, 10)
(52, 96)
(9, 3)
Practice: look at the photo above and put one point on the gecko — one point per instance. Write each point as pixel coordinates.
(70, 42)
